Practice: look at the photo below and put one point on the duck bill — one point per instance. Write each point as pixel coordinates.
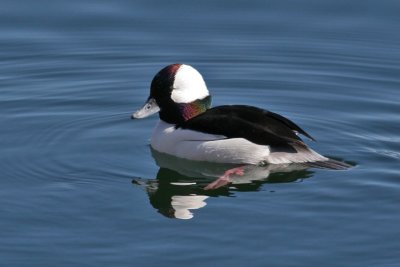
(149, 108)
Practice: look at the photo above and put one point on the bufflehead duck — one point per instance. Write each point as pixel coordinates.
(189, 128)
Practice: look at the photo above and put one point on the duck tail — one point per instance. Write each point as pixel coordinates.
(329, 164)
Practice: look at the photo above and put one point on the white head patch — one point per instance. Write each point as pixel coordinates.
(188, 85)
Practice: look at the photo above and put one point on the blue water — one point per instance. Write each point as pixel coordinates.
(80, 186)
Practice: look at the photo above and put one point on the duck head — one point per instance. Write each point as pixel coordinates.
(178, 92)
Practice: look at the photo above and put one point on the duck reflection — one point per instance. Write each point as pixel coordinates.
(181, 185)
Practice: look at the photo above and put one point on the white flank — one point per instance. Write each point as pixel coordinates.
(303, 155)
(193, 145)
(197, 146)
(188, 85)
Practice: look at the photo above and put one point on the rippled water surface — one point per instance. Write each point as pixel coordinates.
(80, 185)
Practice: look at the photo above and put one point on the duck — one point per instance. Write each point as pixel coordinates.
(190, 128)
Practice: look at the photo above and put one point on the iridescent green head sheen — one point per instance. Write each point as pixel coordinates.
(190, 110)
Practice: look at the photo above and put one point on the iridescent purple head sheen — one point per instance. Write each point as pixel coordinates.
(190, 110)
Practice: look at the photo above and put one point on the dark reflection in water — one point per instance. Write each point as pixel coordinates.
(178, 189)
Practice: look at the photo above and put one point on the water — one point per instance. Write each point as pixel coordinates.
(73, 71)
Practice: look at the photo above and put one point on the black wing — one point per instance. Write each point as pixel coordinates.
(254, 124)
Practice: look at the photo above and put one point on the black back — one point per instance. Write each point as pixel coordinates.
(254, 124)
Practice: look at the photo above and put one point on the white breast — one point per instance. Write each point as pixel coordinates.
(199, 146)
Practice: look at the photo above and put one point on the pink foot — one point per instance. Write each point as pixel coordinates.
(225, 179)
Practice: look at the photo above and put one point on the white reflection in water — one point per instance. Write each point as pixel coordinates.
(183, 204)
(179, 188)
